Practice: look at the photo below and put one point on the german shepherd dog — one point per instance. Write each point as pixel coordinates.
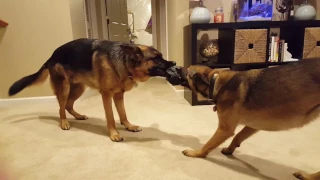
(110, 67)
(250, 98)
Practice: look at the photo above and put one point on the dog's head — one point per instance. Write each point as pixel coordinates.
(147, 61)
(196, 78)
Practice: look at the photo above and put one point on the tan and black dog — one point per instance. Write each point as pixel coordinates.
(270, 99)
(110, 67)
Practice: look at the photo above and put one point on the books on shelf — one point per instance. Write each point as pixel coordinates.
(278, 50)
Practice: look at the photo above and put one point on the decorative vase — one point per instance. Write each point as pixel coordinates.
(200, 14)
(305, 12)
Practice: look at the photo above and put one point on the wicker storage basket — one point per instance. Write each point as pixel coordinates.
(311, 46)
(250, 46)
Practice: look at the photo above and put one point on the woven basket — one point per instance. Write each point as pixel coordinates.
(311, 46)
(250, 46)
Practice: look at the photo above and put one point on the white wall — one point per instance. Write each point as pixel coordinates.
(77, 19)
(36, 28)
(178, 17)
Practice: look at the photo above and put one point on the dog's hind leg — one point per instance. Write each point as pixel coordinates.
(244, 134)
(61, 88)
(304, 176)
(76, 90)
(313, 114)
(119, 103)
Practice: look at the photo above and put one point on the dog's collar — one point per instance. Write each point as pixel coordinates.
(132, 79)
(211, 98)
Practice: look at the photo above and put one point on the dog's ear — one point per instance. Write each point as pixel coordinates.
(191, 72)
(205, 79)
(133, 51)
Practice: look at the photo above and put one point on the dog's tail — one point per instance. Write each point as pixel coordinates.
(33, 79)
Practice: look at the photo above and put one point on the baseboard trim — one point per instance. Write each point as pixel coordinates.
(43, 99)
(28, 100)
(52, 99)
(180, 92)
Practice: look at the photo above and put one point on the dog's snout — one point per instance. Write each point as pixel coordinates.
(173, 63)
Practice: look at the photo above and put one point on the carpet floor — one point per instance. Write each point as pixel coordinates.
(33, 147)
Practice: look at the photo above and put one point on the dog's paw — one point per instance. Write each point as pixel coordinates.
(65, 124)
(81, 117)
(227, 151)
(116, 138)
(134, 128)
(302, 176)
(130, 127)
(193, 153)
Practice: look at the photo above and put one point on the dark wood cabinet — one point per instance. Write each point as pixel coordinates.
(293, 32)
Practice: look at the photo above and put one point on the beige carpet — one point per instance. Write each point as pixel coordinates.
(33, 147)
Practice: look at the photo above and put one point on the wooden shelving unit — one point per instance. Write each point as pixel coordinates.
(293, 32)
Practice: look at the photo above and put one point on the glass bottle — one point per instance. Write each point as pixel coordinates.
(219, 15)
(235, 10)
(291, 11)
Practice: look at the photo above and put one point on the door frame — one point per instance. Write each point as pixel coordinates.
(91, 23)
(159, 25)
(104, 19)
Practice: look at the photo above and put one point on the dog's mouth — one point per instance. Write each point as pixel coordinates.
(177, 75)
(155, 71)
(161, 68)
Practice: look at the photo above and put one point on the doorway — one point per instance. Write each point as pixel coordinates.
(140, 21)
(135, 21)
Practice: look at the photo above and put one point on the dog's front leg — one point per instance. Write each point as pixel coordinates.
(119, 103)
(219, 137)
(107, 104)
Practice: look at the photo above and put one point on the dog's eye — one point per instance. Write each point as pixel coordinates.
(156, 60)
(134, 60)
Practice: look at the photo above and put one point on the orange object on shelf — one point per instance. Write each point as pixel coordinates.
(219, 15)
(3, 23)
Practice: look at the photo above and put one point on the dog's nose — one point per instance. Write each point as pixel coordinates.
(173, 63)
